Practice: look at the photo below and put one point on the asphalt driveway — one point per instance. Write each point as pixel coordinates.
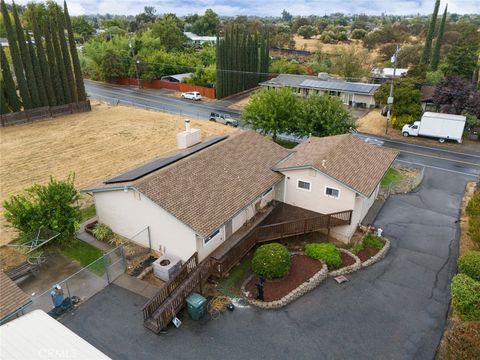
(395, 309)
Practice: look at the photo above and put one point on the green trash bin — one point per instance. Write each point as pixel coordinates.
(196, 306)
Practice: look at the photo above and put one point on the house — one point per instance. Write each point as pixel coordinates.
(426, 98)
(352, 94)
(381, 75)
(197, 39)
(196, 199)
(37, 335)
(177, 78)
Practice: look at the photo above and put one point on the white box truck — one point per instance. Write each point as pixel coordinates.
(437, 125)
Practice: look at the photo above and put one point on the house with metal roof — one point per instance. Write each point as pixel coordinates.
(359, 95)
(206, 196)
(198, 39)
(177, 78)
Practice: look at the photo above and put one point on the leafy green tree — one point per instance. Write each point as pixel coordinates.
(350, 62)
(169, 32)
(16, 58)
(42, 92)
(112, 65)
(80, 87)
(286, 16)
(427, 50)
(438, 42)
(283, 66)
(12, 102)
(323, 115)
(462, 60)
(206, 24)
(273, 111)
(358, 34)
(81, 26)
(307, 31)
(27, 61)
(52, 206)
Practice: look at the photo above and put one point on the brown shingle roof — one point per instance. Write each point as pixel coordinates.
(210, 187)
(12, 298)
(345, 158)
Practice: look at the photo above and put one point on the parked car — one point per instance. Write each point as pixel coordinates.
(192, 95)
(223, 119)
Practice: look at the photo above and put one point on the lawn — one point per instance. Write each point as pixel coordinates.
(84, 254)
(229, 285)
(93, 145)
(392, 176)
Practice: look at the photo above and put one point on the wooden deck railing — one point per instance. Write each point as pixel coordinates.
(164, 305)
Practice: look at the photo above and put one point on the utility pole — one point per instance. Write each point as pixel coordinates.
(390, 98)
(137, 62)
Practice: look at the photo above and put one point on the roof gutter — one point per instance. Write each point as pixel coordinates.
(116, 188)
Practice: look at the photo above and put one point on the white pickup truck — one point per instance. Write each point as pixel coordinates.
(437, 125)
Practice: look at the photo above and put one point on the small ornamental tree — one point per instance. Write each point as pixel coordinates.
(271, 261)
(52, 206)
(326, 252)
(453, 94)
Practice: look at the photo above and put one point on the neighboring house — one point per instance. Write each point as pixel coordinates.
(380, 75)
(178, 78)
(426, 98)
(4, 42)
(352, 94)
(197, 39)
(199, 197)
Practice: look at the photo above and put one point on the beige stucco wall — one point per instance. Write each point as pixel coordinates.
(316, 200)
(129, 212)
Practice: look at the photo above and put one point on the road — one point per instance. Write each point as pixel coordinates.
(161, 100)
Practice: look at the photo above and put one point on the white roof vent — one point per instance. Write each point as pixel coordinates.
(189, 137)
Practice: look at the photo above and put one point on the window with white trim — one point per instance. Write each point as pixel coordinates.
(210, 237)
(332, 192)
(304, 185)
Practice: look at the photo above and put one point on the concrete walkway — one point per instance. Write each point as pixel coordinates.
(136, 285)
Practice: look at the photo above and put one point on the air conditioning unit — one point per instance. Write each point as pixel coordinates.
(166, 266)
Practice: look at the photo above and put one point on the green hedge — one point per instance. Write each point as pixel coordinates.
(466, 297)
(271, 261)
(327, 253)
(469, 264)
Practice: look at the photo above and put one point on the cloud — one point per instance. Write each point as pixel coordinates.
(266, 8)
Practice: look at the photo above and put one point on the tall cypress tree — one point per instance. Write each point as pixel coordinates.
(16, 58)
(65, 53)
(11, 97)
(37, 18)
(73, 52)
(42, 92)
(4, 108)
(438, 43)
(52, 17)
(52, 64)
(26, 59)
(427, 50)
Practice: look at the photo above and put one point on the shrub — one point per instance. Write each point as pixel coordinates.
(466, 297)
(326, 252)
(399, 121)
(474, 229)
(271, 261)
(469, 264)
(102, 232)
(355, 249)
(473, 207)
(372, 242)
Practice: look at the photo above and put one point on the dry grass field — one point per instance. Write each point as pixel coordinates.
(93, 145)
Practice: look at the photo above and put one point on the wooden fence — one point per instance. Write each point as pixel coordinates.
(163, 84)
(165, 304)
(31, 115)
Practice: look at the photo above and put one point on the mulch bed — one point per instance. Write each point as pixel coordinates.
(302, 269)
(367, 253)
(347, 260)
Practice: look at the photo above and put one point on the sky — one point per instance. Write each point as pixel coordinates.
(267, 8)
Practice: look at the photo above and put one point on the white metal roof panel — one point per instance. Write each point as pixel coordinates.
(340, 86)
(36, 335)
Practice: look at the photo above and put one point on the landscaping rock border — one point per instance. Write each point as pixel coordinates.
(378, 256)
(301, 290)
(347, 269)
